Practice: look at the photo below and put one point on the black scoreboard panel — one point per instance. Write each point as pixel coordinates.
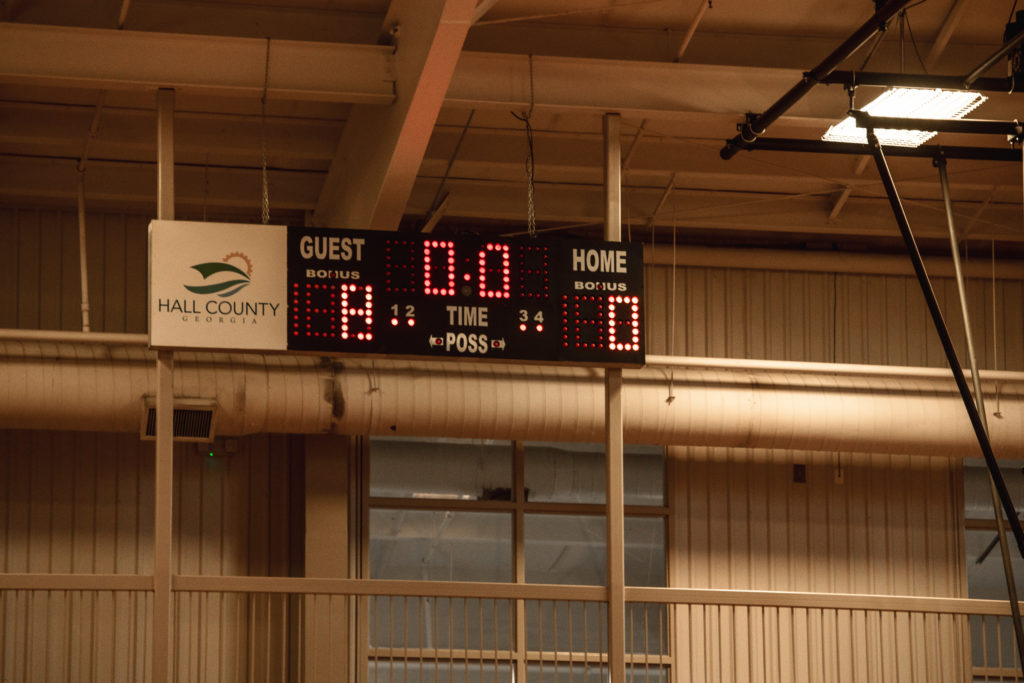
(371, 292)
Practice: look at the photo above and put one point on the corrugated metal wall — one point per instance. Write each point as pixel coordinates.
(40, 281)
(888, 525)
(826, 317)
(83, 503)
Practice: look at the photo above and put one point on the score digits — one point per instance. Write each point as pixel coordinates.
(573, 301)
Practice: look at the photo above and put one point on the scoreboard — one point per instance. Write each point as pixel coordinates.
(531, 299)
(401, 294)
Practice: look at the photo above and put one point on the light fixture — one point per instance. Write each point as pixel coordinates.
(923, 103)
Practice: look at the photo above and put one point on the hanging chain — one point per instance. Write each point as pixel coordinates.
(265, 207)
(531, 209)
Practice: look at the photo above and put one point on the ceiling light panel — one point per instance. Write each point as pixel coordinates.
(924, 103)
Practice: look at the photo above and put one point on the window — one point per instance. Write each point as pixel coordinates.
(448, 509)
(992, 640)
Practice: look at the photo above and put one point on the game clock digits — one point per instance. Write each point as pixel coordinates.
(368, 292)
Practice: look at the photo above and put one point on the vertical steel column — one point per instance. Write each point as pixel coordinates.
(1011, 585)
(164, 470)
(947, 343)
(613, 428)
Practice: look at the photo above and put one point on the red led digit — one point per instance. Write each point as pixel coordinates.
(313, 311)
(583, 322)
(623, 323)
(500, 273)
(400, 259)
(439, 280)
(533, 277)
(355, 308)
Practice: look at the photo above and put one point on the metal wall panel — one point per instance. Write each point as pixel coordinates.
(40, 282)
(888, 525)
(75, 502)
(827, 317)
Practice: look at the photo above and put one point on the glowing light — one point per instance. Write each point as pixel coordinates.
(918, 103)
(505, 268)
(447, 288)
(349, 312)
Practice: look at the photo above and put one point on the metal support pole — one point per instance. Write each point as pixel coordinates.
(851, 79)
(1007, 47)
(1011, 585)
(614, 505)
(165, 154)
(947, 343)
(83, 262)
(975, 126)
(163, 499)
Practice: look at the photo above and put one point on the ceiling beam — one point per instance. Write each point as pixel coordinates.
(502, 81)
(213, 65)
(339, 72)
(483, 8)
(381, 148)
(949, 25)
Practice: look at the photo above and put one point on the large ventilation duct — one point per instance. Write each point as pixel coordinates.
(709, 407)
(82, 386)
(104, 388)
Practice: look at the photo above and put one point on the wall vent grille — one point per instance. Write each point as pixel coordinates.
(193, 420)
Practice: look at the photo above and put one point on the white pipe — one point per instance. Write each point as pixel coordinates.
(96, 387)
(653, 361)
(73, 337)
(613, 428)
(83, 265)
(712, 408)
(691, 29)
(893, 371)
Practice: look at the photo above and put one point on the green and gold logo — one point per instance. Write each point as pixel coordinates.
(229, 279)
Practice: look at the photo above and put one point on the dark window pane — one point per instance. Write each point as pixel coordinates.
(454, 469)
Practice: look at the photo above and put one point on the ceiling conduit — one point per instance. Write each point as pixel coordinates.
(81, 386)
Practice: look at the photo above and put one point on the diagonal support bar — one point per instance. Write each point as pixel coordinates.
(979, 397)
(947, 343)
(381, 147)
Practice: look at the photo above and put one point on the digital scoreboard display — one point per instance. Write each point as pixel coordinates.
(276, 288)
(371, 292)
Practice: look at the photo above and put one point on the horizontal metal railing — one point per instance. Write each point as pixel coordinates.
(284, 629)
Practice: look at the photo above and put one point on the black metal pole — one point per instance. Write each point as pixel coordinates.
(759, 123)
(970, 78)
(852, 79)
(976, 126)
(924, 151)
(947, 343)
